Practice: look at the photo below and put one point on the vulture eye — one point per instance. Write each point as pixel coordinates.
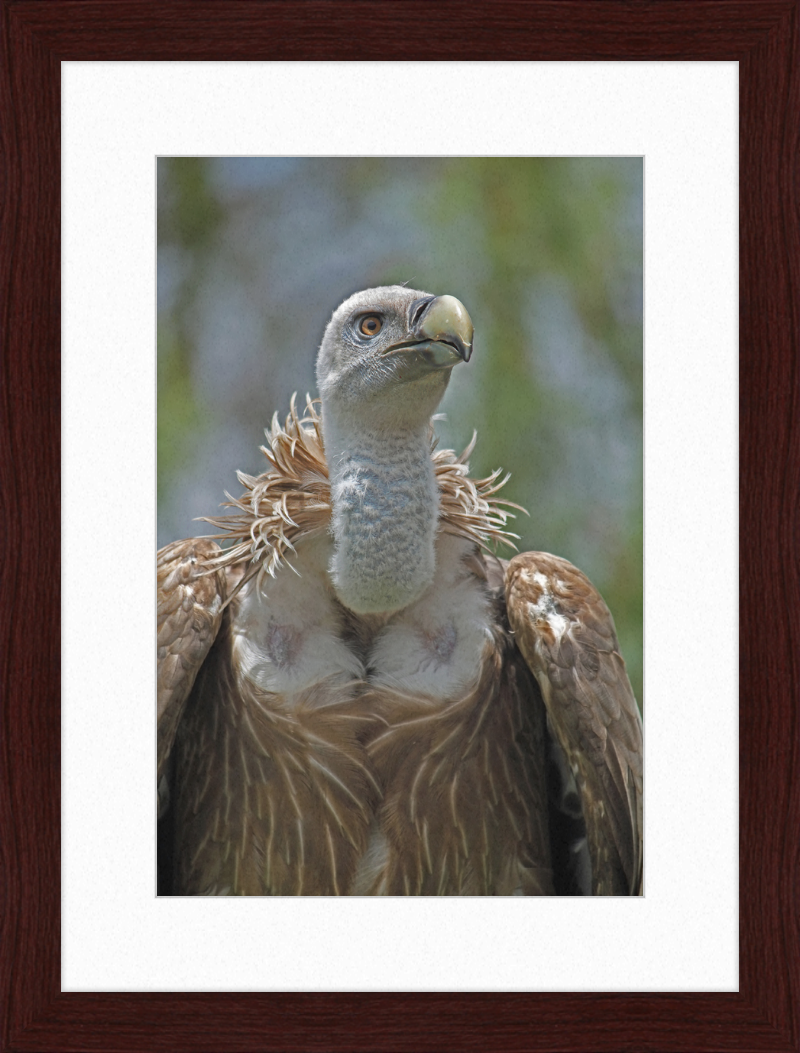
(370, 325)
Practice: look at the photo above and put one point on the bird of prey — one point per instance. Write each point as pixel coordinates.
(355, 695)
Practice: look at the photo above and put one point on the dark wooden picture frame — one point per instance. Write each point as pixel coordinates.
(764, 38)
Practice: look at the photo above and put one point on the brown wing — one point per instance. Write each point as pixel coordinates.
(190, 605)
(566, 634)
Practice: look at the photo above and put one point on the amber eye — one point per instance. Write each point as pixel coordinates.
(370, 325)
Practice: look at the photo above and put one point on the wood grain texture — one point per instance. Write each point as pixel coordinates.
(763, 37)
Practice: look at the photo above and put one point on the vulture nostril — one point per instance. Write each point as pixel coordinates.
(418, 308)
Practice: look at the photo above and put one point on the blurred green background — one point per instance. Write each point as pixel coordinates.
(254, 254)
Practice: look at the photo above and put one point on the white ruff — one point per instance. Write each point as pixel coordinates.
(385, 509)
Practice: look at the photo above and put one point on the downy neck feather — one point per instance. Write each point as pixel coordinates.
(385, 510)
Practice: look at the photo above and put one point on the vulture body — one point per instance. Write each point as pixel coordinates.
(355, 696)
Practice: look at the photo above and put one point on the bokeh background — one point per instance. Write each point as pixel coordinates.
(254, 254)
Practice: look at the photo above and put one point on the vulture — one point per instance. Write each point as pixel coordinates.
(356, 695)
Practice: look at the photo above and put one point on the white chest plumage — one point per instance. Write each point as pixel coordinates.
(291, 636)
(287, 633)
(432, 649)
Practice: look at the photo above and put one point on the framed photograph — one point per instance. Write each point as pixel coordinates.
(396, 740)
(594, 1003)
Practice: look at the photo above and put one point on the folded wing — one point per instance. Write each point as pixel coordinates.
(190, 606)
(566, 635)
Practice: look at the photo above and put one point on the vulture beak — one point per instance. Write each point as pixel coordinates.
(441, 332)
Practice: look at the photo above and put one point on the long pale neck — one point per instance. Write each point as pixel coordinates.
(385, 505)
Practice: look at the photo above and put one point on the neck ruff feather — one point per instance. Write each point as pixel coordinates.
(291, 500)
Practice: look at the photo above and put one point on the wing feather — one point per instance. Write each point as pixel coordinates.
(566, 635)
(190, 603)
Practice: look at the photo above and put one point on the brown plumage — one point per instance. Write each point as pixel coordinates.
(482, 739)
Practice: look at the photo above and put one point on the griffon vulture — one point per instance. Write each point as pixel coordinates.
(355, 696)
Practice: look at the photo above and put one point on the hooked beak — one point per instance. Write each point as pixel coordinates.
(441, 331)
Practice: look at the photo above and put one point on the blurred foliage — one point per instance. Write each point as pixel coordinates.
(546, 254)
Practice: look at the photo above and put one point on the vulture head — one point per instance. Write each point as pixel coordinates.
(386, 356)
(383, 366)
